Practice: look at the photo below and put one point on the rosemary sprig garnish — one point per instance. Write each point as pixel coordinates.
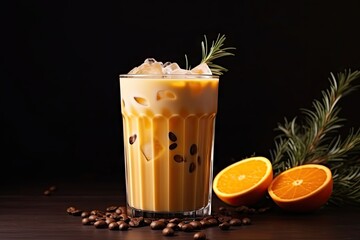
(216, 51)
(317, 140)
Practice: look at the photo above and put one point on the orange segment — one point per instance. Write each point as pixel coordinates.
(244, 182)
(302, 188)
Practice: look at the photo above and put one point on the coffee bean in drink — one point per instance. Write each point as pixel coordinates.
(193, 149)
(172, 136)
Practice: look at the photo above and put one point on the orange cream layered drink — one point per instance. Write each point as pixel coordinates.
(168, 126)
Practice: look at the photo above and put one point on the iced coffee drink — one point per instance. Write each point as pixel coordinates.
(168, 118)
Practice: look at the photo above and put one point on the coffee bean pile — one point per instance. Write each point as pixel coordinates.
(116, 218)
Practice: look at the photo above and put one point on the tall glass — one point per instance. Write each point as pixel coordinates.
(168, 129)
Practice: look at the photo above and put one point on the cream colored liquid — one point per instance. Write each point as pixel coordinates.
(166, 173)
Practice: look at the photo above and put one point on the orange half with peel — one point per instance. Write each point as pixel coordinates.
(303, 188)
(244, 182)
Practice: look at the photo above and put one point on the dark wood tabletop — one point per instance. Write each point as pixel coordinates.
(26, 213)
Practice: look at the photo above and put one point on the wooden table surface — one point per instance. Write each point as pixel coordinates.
(26, 213)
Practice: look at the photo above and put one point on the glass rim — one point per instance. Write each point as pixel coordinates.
(170, 76)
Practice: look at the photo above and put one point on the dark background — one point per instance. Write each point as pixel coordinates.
(60, 102)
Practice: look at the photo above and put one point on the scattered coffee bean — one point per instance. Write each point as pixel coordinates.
(168, 231)
(123, 226)
(196, 225)
(113, 226)
(86, 221)
(235, 222)
(246, 221)
(47, 192)
(171, 225)
(200, 236)
(50, 190)
(187, 227)
(100, 224)
(224, 226)
(157, 225)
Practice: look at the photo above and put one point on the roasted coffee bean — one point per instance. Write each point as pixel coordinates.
(175, 220)
(100, 224)
(93, 217)
(109, 220)
(53, 188)
(132, 139)
(224, 226)
(200, 236)
(192, 167)
(224, 219)
(187, 227)
(246, 221)
(193, 149)
(235, 222)
(168, 231)
(111, 208)
(85, 214)
(213, 221)
(157, 225)
(178, 158)
(97, 212)
(123, 226)
(70, 210)
(172, 136)
(86, 221)
(196, 224)
(135, 222)
(180, 224)
(171, 225)
(205, 223)
(147, 221)
(47, 192)
(77, 212)
(173, 146)
(113, 226)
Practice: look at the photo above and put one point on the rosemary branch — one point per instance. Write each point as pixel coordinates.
(216, 51)
(317, 140)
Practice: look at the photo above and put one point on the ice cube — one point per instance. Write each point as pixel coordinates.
(141, 101)
(202, 68)
(165, 94)
(153, 68)
(169, 68)
(148, 148)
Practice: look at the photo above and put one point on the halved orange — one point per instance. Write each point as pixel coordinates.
(244, 182)
(303, 188)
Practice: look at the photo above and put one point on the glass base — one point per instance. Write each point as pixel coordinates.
(196, 214)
